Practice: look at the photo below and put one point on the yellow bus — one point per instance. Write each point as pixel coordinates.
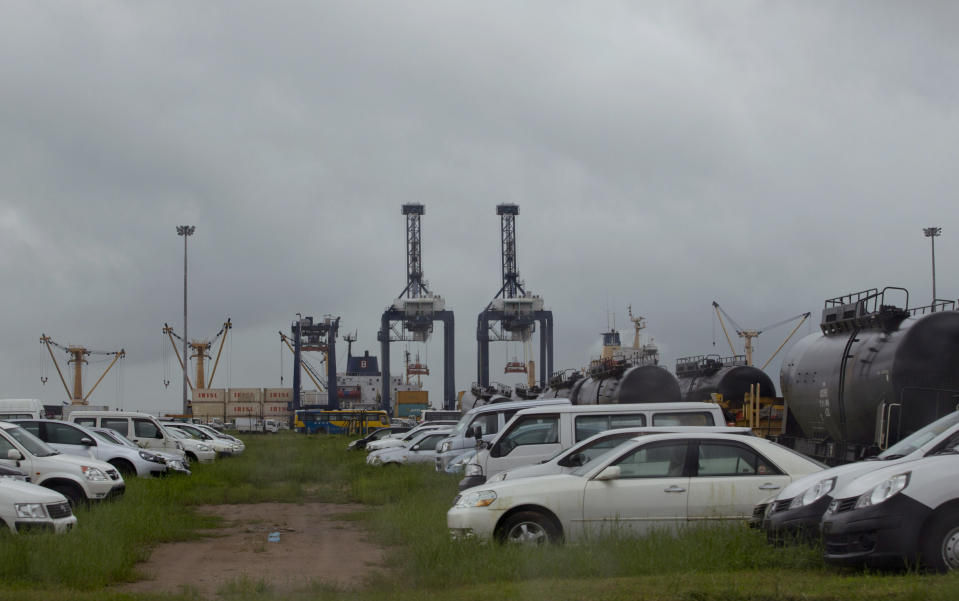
(339, 421)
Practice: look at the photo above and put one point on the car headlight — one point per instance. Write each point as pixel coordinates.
(204, 447)
(146, 456)
(376, 460)
(30, 510)
(473, 469)
(883, 491)
(93, 474)
(497, 477)
(480, 498)
(814, 493)
(446, 447)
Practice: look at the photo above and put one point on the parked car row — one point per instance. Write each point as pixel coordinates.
(898, 508)
(48, 467)
(552, 472)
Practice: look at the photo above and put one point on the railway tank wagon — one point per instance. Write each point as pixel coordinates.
(703, 378)
(875, 373)
(613, 382)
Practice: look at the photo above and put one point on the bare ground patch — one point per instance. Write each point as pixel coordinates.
(312, 547)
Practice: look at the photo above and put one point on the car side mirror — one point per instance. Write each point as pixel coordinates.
(612, 472)
(14, 455)
(416, 447)
(476, 432)
(87, 442)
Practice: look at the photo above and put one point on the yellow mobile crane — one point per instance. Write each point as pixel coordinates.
(199, 350)
(748, 335)
(78, 359)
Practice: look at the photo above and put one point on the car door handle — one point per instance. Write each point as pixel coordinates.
(770, 486)
(675, 488)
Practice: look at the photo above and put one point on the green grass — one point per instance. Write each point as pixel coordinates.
(407, 508)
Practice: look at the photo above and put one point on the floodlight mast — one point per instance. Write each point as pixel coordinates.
(932, 233)
(186, 231)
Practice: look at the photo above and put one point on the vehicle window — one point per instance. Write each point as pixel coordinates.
(724, 459)
(429, 443)
(32, 428)
(120, 424)
(531, 429)
(31, 443)
(8, 416)
(87, 421)
(590, 425)
(145, 428)
(5, 445)
(487, 423)
(686, 418)
(657, 460)
(64, 434)
(920, 437)
(104, 437)
(198, 433)
(598, 447)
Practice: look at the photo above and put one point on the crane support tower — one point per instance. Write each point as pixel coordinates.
(411, 316)
(513, 312)
(200, 350)
(321, 337)
(78, 355)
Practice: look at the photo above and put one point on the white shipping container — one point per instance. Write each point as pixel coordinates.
(277, 395)
(216, 395)
(245, 395)
(208, 410)
(234, 409)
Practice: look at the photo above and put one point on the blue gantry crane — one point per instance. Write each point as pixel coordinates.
(410, 318)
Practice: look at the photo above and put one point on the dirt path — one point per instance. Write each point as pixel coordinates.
(312, 547)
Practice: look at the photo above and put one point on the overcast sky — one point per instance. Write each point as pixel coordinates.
(766, 155)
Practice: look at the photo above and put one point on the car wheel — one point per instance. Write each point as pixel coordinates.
(125, 468)
(192, 457)
(940, 547)
(73, 493)
(529, 528)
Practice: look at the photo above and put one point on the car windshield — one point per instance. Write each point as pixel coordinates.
(31, 443)
(104, 437)
(176, 433)
(195, 432)
(213, 433)
(116, 438)
(920, 437)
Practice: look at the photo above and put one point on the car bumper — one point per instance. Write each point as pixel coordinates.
(884, 535)
(58, 526)
(801, 523)
(471, 523)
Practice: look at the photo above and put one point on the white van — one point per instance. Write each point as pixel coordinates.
(141, 428)
(537, 434)
(21, 409)
(483, 422)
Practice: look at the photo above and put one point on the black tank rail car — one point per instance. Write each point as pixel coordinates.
(703, 378)
(613, 381)
(875, 373)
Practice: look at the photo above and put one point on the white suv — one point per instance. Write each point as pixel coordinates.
(28, 507)
(79, 479)
(74, 439)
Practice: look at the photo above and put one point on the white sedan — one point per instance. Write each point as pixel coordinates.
(422, 449)
(662, 481)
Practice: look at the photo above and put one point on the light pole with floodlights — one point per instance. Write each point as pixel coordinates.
(931, 233)
(186, 231)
